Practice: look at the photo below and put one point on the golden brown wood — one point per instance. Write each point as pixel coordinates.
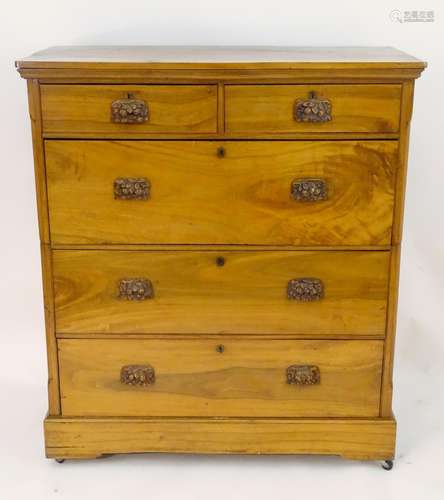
(216, 248)
(227, 64)
(401, 177)
(243, 378)
(389, 347)
(360, 439)
(228, 136)
(270, 108)
(247, 295)
(221, 108)
(242, 198)
(212, 336)
(118, 57)
(45, 250)
(51, 341)
(87, 109)
(39, 158)
(322, 74)
(218, 237)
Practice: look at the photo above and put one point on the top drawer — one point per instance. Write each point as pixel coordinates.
(287, 109)
(128, 110)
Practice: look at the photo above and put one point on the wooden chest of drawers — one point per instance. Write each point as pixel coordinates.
(220, 234)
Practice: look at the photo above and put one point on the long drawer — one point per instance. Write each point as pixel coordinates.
(283, 193)
(287, 109)
(239, 292)
(220, 378)
(128, 110)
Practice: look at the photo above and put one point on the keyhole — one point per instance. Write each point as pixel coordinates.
(221, 152)
(220, 348)
(220, 261)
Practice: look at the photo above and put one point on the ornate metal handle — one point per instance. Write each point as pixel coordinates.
(129, 110)
(137, 375)
(132, 188)
(305, 289)
(309, 189)
(303, 375)
(312, 109)
(135, 289)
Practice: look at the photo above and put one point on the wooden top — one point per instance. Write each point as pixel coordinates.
(151, 57)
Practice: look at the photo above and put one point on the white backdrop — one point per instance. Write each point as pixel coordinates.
(27, 26)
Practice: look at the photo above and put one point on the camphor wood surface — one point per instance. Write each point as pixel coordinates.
(222, 93)
(247, 379)
(45, 249)
(86, 109)
(270, 108)
(359, 439)
(389, 346)
(201, 57)
(220, 64)
(243, 197)
(192, 294)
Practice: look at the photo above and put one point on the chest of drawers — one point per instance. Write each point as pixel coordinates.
(220, 233)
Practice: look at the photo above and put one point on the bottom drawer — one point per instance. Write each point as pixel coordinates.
(223, 377)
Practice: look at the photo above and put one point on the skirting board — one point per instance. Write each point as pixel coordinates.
(359, 439)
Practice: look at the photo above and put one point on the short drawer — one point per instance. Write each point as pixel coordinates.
(232, 192)
(220, 377)
(128, 110)
(286, 109)
(238, 292)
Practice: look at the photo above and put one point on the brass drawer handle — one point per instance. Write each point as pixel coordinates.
(131, 188)
(309, 190)
(303, 375)
(305, 289)
(129, 110)
(137, 375)
(312, 110)
(135, 289)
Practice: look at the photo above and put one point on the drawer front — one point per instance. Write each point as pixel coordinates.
(220, 377)
(128, 110)
(221, 192)
(283, 109)
(239, 292)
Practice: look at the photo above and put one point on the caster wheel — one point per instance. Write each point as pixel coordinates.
(387, 464)
(60, 460)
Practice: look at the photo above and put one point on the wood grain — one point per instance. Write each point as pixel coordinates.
(35, 115)
(45, 249)
(343, 74)
(87, 109)
(215, 64)
(355, 108)
(242, 198)
(247, 379)
(360, 439)
(83, 56)
(247, 295)
(51, 341)
(237, 207)
(389, 347)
